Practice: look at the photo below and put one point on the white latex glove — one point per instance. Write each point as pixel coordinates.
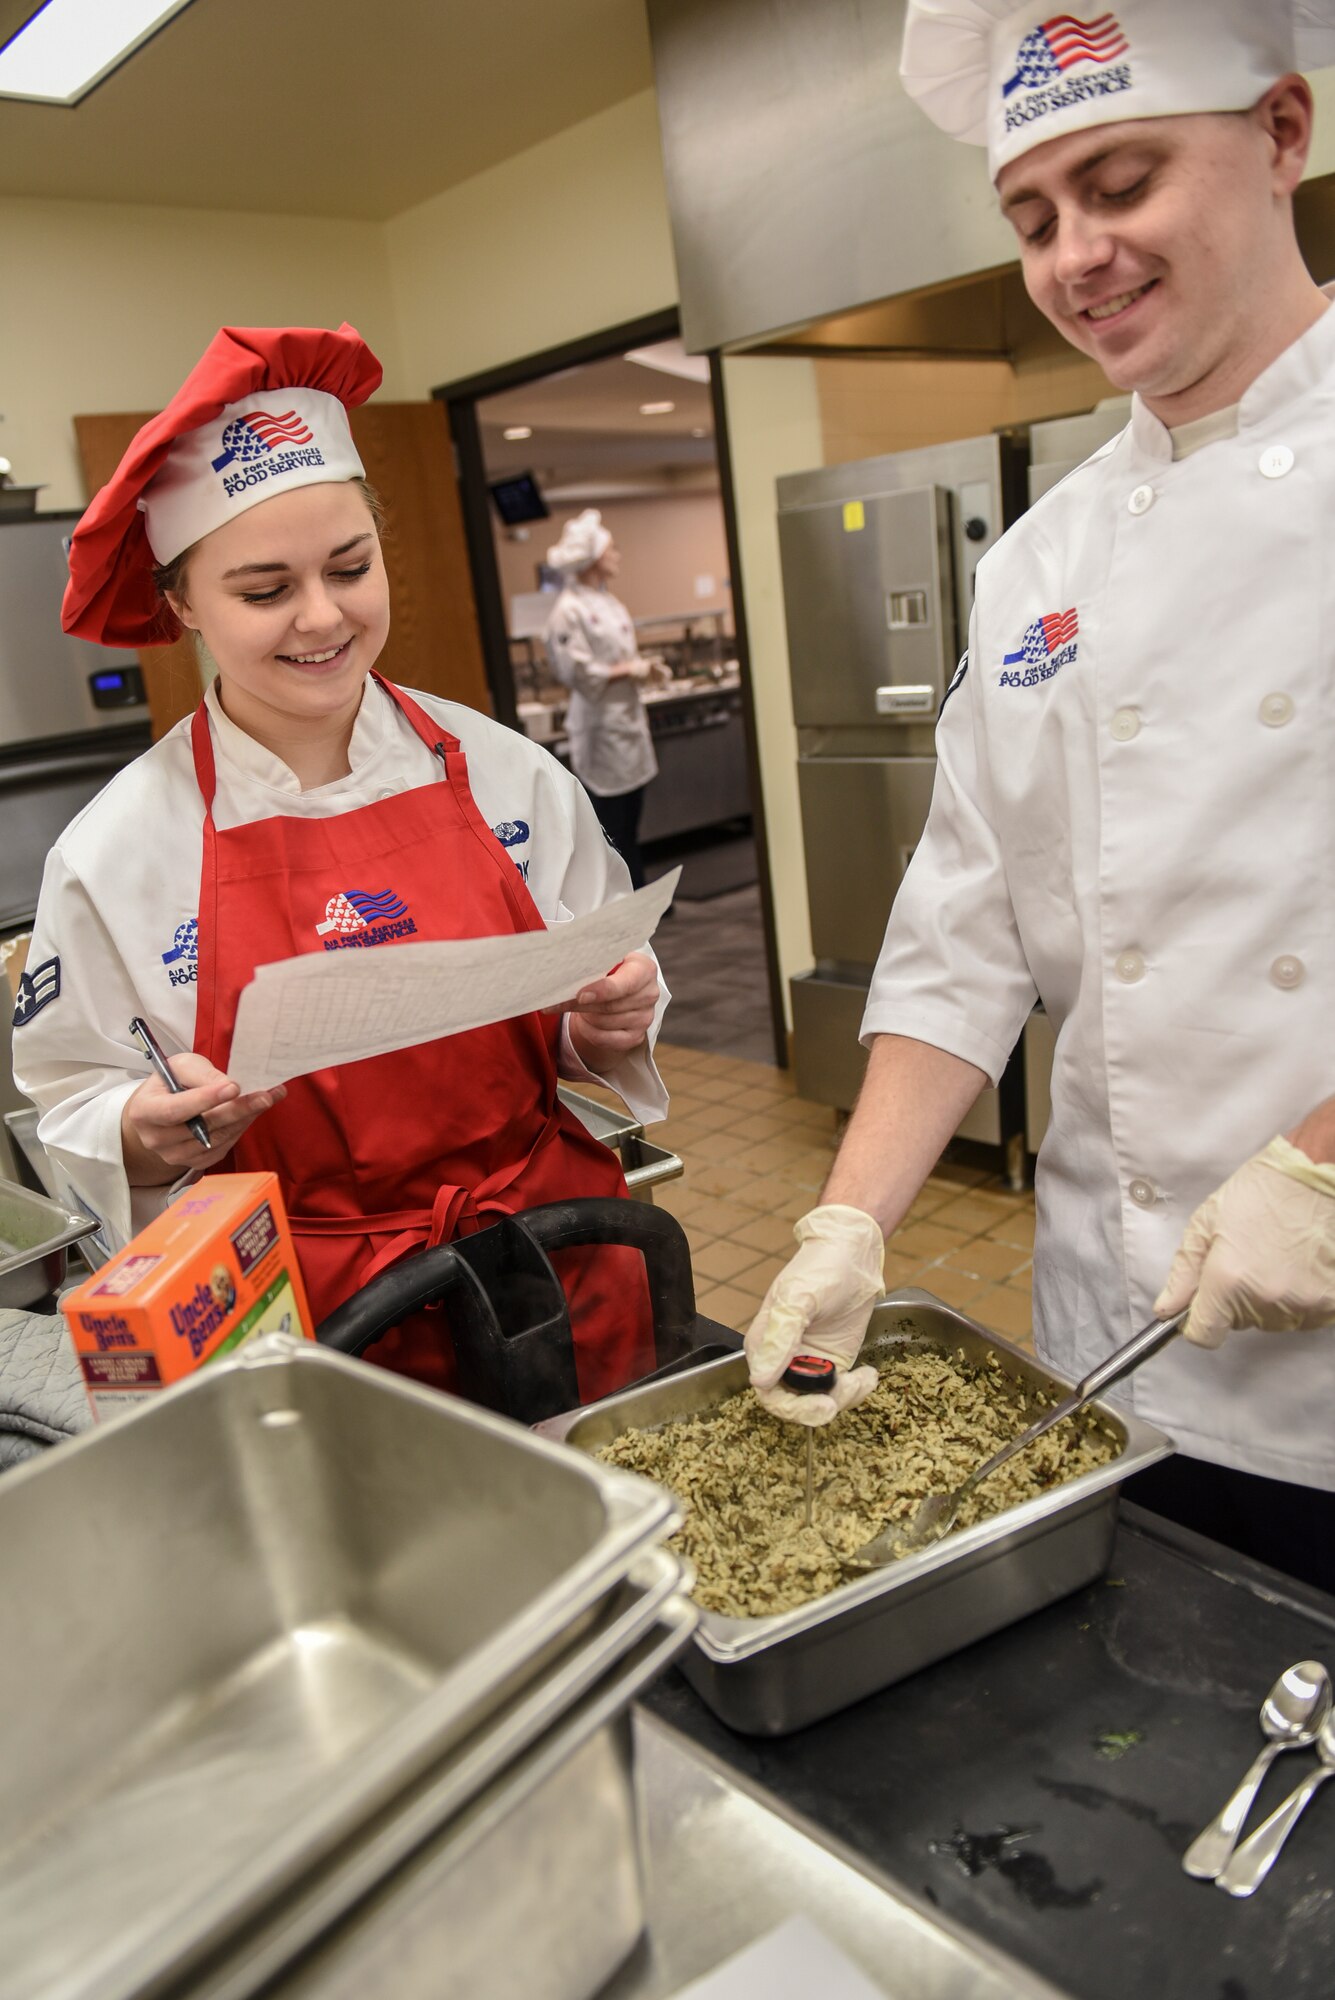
(819, 1304)
(1260, 1251)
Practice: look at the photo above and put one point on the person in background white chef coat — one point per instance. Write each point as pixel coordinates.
(1134, 816)
(590, 641)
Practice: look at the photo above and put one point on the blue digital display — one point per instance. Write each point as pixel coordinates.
(109, 683)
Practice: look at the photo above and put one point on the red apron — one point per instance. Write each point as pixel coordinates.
(379, 1157)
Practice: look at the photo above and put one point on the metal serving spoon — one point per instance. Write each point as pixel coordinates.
(1253, 1861)
(1292, 1716)
(937, 1513)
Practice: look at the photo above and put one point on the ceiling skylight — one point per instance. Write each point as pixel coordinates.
(58, 55)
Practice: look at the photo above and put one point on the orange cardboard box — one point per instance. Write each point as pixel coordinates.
(216, 1268)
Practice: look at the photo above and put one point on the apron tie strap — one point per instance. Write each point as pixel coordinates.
(455, 1212)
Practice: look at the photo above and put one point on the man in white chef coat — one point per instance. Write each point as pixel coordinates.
(1134, 813)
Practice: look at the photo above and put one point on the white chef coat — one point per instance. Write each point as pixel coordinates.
(1134, 820)
(121, 891)
(611, 750)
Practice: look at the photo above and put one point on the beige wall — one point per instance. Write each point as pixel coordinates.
(775, 427)
(104, 307)
(666, 544)
(563, 240)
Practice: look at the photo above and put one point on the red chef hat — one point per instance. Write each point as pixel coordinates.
(213, 452)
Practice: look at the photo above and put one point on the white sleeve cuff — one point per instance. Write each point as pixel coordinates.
(955, 1037)
(635, 1078)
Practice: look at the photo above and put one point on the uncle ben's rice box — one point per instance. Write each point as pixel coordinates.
(214, 1269)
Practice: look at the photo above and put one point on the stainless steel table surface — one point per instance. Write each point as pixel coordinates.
(725, 1865)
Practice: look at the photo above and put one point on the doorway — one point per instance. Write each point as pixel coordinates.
(628, 424)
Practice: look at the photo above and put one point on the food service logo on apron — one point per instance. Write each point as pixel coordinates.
(1049, 51)
(359, 918)
(1048, 645)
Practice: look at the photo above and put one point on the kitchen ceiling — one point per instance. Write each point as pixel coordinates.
(324, 107)
(586, 425)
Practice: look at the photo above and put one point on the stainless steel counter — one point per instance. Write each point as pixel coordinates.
(724, 1865)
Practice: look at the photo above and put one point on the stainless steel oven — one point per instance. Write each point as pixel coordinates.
(71, 716)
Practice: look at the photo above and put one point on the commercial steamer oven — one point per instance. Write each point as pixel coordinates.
(878, 571)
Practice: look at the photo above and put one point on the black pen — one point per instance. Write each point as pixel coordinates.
(195, 1126)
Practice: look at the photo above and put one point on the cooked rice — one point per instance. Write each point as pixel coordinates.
(742, 1475)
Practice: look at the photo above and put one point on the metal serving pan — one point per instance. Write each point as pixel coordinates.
(644, 1164)
(533, 1892)
(767, 1676)
(35, 1234)
(243, 1621)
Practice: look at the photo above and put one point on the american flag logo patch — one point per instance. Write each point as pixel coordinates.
(251, 436)
(1045, 637)
(1048, 645)
(356, 910)
(1055, 46)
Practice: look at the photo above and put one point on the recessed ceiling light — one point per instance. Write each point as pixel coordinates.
(657, 409)
(58, 55)
(516, 432)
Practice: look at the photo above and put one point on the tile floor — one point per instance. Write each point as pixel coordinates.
(756, 1154)
(713, 957)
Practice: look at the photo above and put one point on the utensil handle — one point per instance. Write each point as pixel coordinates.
(1256, 1857)
(1139, 1348)
(1209, 1851)
(1147, 1342)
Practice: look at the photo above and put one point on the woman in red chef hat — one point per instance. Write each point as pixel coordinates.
(307, 801)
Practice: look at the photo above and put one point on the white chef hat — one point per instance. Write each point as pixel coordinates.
(1011, 76)
(582, 541)
(251, 450)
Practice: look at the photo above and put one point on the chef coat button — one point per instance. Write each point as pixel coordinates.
(1141, 500)
(1276, 710)
(1129, 967)
(1142, 1194)
(1288, 972)
(1276, 460)
(388, 792)
(1125, 725)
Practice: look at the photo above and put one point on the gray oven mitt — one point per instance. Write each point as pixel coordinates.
(42, 1397)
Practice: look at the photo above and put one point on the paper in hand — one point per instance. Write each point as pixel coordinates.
(326, 1008)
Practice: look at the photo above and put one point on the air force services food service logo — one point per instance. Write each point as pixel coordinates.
(513, 833)
(358, 918)
(182, 961)
(37, 989)
(1049, 644)
(1041, 84)
(262, 446)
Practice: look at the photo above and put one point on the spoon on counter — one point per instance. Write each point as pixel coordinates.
(1292, 1716)
(1253, 1861)
(937, 1514)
